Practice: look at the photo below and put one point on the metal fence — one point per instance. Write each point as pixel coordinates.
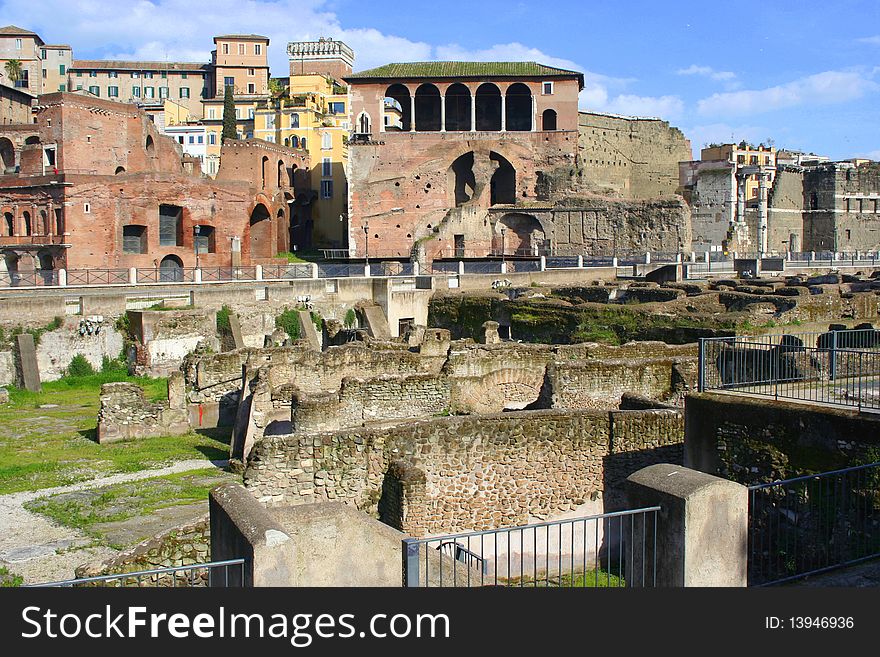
(284, 272)
(33, 278)
(229, 573)
(392, 269)
(835, 367)
(812, 524)
(97, 276)
(608, 550)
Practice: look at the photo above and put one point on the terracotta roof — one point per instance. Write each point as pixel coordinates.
(14, 29)
(102, 64)
(58, 46)
(247, 37)
(464, 70)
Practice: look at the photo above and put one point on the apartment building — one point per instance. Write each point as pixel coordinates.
(26, 47)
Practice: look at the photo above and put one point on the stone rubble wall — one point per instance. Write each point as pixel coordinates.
(479, 472)
(125, 414)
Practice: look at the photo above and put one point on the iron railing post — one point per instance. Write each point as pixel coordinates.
(701, 366)
(410, 553)
(832, 359)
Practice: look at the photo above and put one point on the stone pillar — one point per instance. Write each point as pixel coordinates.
(701, 528)
(62, 278)
(197, 276)
(412, 113)
(473, 111)
(176, 390)
(490, 333)
(28, 368)
(535, 114)
(740, 199)
(706, 257)
(693, 256)
(614, 261)
(543, 263)
(442, 112)
(460, 267)
(314, 268)
(235, 251)
(367, 270)
(580, 264)
(133, 275)
(503, 267)
(647, 257)
(382, 114)
(763, 179)
(258, 273)
(503, 112)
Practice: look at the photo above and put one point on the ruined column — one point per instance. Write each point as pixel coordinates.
(740, 199)
(762, 210)
(535, 114)
(473, 111)
(382, 114)
(442, 112)
(412, 113)
(503, 113)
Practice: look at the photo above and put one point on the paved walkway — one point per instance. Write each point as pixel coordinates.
(859, 576)
(36, 548)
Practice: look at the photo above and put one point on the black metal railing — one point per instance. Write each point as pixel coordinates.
(229, 573)
(608, 550)
(284, 272)
(97, 276)
(392, 269)
(812, 524)
(835, 367)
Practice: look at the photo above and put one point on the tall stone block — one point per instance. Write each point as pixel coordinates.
(27, 359)
(702, 526)
(235, 329)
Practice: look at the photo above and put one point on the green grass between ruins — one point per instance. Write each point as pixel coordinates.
(590, 579)
(46, 447)
(85, 510)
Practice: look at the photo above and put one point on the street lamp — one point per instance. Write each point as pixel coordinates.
(503, 230)
(196, 229)
(367, 241)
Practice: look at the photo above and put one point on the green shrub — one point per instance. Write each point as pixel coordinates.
(288, 321)
(123, 325)
(79, 367)
(223, 314)
(350, 318)
(317, 320)
(114, 365)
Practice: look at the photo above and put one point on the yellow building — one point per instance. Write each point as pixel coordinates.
(314, 114)
(744, 155)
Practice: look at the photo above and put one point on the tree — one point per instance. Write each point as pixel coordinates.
(13, 70)
(229, 130)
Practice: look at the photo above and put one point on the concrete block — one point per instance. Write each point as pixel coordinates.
(377, 323)
(235, 328)
(702, 527)
(308, 330)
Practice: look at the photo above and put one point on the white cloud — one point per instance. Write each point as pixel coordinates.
(829, 87)
(873, 155)
(873, 40)
(723, 133)
(502, 52)
(707, 72)
(664, 107)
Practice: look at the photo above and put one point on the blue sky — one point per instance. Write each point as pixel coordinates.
(806, 74)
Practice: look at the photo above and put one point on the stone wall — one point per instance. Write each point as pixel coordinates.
(169, 335)
(125, 414)
(180, 546)
(478, 472)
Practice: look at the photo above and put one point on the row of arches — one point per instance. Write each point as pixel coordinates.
(28, 224)
(9, 154)
(285, 176)
(487, 109)
(261, 233)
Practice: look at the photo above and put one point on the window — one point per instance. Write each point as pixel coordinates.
(95, 90)
(302, 142)
(113, 92)
(135, 75)
(337, 108)
(112, 74)
(251, 72)
(87, 208)
(79, 87)
(326, 167)
(148, 75)
(228, 82)
(134, 239)
(179, 139)
(326, 189)
(740, 159)
(62, 87)
(164, 74)
(252, 88)
(270, 138)
(258, 49)
(93, 74)
(225, 48)
(184, 92)
(753, 159)
(251, 113)
(163, 92)
(148, 92)
(270, 121)
(183, 76)
(547, 88)
(240, 48)
(43, 53)
(201, 139)
(192, 139)
(136, 92)
(79, 74)
(18, 44)
(326, 141)
(61, 69)
(212, 139)
(204, 239)
(294, 120)
(170, 225)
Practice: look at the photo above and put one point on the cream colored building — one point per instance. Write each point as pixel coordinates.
(26, 47)
(57, 60)
(744, 155)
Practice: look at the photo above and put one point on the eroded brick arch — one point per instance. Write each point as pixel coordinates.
(505, 389)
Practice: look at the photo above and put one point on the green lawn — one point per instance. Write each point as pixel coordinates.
(84, 509)
(590, 579)
(45, 447)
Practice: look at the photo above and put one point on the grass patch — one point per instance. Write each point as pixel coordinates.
(8, 579)
(85, 509)
(45, 447)
(305, 256)
(590, 579)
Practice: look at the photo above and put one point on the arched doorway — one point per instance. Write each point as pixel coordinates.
(264, 163)
(503, 183)
(461, 178)
(47, 267)
(33, 139)
(488, 102)
(7, 228)
(281, 175)
(523, 234)
(44, 223)
(397, 102)
(260, 229)
(548, 120)
(119, 170)
(283, 232)
(12, 269)
(171, 269)
(7, 156)
(518, 108)
(364, 127)
(458, 108)
(26, 221)
(150, 146)
(428, 108)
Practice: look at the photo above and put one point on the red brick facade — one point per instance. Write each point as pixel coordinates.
(90, 194)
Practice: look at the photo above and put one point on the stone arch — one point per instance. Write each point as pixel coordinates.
(27, 227)
(512, 388)
(524, 233)
(428, 112)
(263, 165)
(458, 108)
(46, 260)
(260, 229)
(150, 146)
(281, 171)
(33, 139)
(518, 108)
(488, 106)
(400, 94)
(119, 170)
(548, 120)
(461, 179)
(45, 228)
(282, 235)
(364, 123)
(503, 183)
(7, 156)
(7, 228)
